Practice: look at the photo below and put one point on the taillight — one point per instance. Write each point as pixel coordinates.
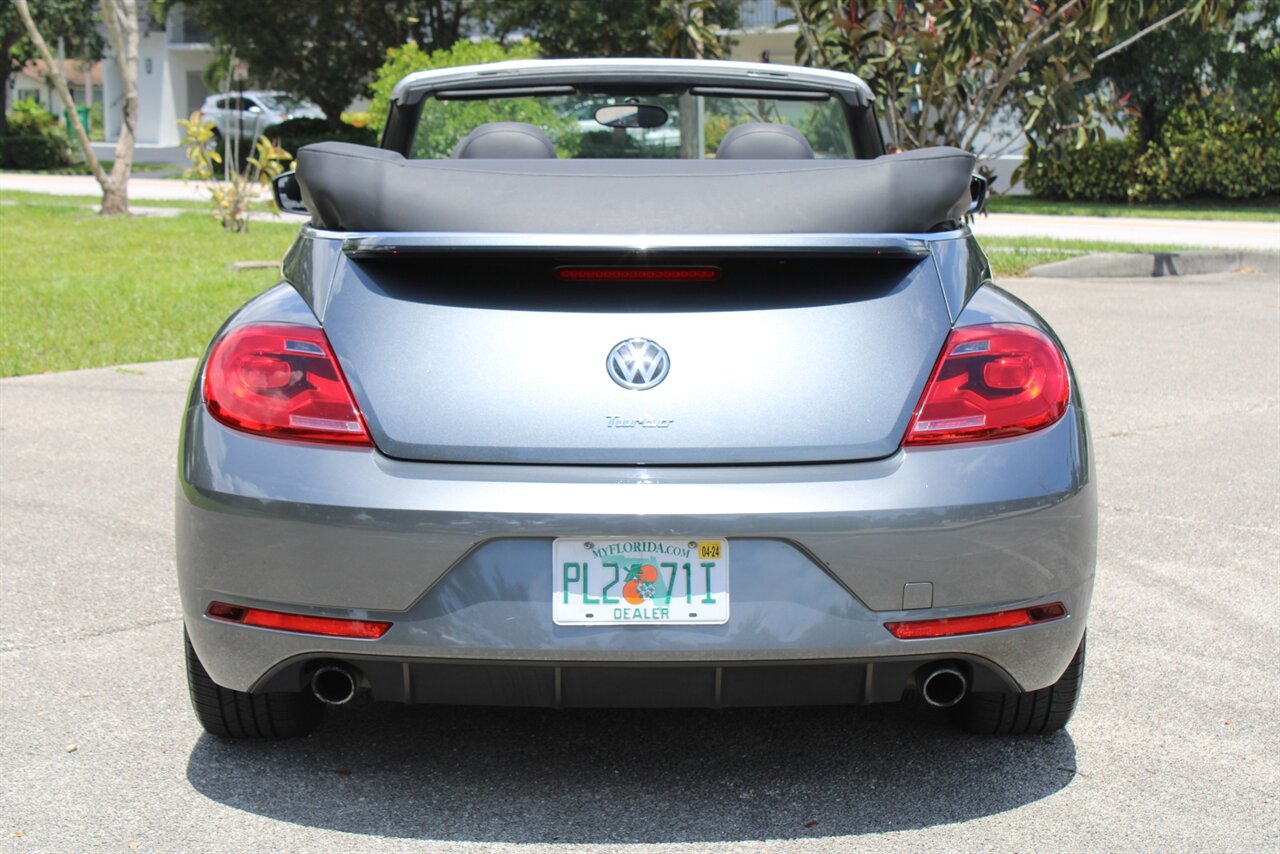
(638, 274)
(991, 381)
(282, 380)
(282, 621)
(946, 627)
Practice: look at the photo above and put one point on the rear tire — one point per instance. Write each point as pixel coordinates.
(1025, 712)
(238, 714)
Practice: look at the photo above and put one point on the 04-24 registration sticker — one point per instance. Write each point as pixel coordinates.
(639, 582)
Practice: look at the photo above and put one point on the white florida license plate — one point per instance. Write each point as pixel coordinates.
(639, 582)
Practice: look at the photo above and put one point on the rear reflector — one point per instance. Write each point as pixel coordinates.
(949, 626)
(638, 274)
(282, 380)
(328, 626)
(991, 381)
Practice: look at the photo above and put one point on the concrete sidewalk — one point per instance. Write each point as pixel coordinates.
(1224, 234)
(165, 189)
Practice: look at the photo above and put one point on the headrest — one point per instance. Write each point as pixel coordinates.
(764, 141)
(512, 140)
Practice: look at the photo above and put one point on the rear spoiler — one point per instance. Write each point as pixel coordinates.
(624, 246)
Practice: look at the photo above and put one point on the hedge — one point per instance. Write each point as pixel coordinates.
(1225, 145)
(295, 133)
(41, 150)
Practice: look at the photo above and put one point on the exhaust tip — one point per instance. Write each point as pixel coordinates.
(333, 685)
(944, 687)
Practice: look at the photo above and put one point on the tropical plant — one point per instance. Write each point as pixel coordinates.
(954, 72)
(230, 198)
(696, 28)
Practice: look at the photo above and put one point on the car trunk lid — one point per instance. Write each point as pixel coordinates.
(480, 353)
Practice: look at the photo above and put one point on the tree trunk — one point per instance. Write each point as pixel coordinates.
(121, 19)
(4, 93)
(114, 199)
(6, 70)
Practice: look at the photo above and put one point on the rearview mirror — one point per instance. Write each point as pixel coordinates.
(631, 116)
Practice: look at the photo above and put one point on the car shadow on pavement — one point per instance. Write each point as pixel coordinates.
(520, 775)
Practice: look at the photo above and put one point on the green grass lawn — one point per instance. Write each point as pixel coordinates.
(78, 290)
(1014, 256)
(150, 170)
(47, 200)
(1264, 210)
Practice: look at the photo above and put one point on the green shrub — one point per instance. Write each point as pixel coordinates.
(1099, 172)
(406, 59)
(29, 118)
(43, 150)
(295, 133)
(1227, 145)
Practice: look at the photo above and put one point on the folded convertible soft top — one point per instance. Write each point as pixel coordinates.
(358, 188)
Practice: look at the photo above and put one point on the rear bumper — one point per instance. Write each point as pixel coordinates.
(457, 557)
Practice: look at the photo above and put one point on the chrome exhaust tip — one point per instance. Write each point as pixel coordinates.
(333, 685)
(944, 687)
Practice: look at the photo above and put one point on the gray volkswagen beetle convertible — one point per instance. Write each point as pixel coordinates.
(634, 383)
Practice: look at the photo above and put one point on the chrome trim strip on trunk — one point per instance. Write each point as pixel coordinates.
(383, 244)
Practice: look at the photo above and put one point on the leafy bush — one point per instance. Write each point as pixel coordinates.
(1100, 171)
(29, 118)
(41, 150)
(1227, 145)
(406, 59)
(295, 133)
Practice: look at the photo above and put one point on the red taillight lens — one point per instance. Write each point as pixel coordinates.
(994, 380)
(638, 274)
(950, 626)
(328, 626)
(282, 380)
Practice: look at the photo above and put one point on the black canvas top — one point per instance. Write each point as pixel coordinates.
(358, 188)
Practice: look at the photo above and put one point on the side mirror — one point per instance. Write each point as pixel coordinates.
(977, 194)
(288, 193)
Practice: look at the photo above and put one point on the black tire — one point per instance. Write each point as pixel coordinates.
(1026, 712)
(237, 714)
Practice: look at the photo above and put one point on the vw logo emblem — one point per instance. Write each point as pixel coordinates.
(638, 364)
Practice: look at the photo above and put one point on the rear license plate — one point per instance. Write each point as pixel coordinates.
(639, 582)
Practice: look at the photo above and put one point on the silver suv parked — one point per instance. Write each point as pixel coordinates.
(246, 115)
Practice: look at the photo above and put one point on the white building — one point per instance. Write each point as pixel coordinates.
(31, 82)
(172, 58)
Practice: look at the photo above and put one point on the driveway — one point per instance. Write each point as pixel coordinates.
(1174, 746)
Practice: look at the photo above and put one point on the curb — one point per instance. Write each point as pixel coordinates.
(1158, 264)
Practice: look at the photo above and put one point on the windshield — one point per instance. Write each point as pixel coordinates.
(285, 103)
(693, 128)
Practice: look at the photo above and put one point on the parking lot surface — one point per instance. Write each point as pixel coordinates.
(1174, 747)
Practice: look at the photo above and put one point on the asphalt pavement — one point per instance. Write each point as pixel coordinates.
(1174, 746)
